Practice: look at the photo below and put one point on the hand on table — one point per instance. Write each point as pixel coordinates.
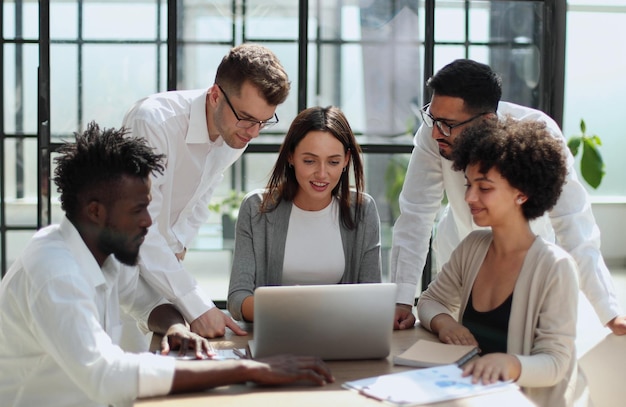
(403, 317)
(450, 331)
(493, 367)
(285, 369)
(179, 337)
(213, 324)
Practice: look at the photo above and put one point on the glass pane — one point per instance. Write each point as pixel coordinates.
(372, 80)
(20, 19)
(595, 88)
(114, 77)
(450, 21)
(257, 170)
(479, 17)
(263, 17)
(199, 64)
(207, 21)
(63, 20)
(349, 20)
(511, 37)
(64, 88)
(384, 175)
(519, 26)
(125, 20)
(20, 88)
(20, 176)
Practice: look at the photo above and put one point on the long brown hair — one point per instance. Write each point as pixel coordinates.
(283, 185)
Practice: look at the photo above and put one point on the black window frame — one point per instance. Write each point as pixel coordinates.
(551, 98)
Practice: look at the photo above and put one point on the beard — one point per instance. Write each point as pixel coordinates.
(445, 154)
(120, 246)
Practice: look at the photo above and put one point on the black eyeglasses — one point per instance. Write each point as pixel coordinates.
(249, 123)
(445, 128)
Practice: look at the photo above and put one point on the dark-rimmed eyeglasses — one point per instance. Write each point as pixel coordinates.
(445, 128)
(249, 123)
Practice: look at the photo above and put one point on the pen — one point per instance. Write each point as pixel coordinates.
(467, 357)
(240, 353)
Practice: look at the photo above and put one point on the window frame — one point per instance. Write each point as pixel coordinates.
(552, 72)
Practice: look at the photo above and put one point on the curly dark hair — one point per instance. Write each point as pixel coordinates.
(523, 151)
(88, 168)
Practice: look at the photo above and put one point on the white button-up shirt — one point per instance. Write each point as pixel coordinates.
(174, 124)
(60, 325)
(429, 174)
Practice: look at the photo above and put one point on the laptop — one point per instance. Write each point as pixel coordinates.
(334, 322)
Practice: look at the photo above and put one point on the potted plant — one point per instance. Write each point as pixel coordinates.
(228, 207)
(591, 162)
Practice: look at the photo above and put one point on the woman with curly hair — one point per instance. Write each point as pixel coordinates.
(504, 289)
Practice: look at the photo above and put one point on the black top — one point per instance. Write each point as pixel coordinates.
(490, 328)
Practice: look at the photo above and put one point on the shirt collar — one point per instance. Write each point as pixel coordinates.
(83, 256)
(197, 133)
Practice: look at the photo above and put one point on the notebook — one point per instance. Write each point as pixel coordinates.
(424, 353)
(334, 322)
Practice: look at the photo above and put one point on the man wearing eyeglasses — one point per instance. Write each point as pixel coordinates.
(465, 92)
(202, 133)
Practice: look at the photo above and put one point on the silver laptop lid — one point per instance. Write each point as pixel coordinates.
(338, 321)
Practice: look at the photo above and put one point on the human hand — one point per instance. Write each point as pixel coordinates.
(285, 369)
(618, 325)
(213, 323)
(403, 317)
(179, 337)
(493, 367)
(450, 331)
(181, 256)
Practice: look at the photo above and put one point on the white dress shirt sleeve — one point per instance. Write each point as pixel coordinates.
(158, 261)
(420, 200)
(577, 232)
(575, 226)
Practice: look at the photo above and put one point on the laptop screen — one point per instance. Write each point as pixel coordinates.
(338, 321)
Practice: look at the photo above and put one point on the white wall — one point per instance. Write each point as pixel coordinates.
(611, 218)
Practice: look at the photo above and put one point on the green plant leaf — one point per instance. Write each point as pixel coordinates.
(394, 180)
(591, 163)
(583, 127)
(574, 144)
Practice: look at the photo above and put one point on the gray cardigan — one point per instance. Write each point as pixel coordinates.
(260, 248)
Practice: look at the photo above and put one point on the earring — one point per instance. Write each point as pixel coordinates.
(520, 201)
(344, 169)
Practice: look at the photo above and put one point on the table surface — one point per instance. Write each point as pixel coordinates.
(330, 395)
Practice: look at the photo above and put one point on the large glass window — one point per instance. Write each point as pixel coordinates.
(594, 85)
(371, 58)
